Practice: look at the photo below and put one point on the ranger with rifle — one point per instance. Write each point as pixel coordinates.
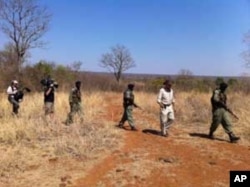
(75, 102)
(128, 105)
(220, 113)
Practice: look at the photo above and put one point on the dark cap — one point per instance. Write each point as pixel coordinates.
(223, 85)
(167, 82)
(130, 85)
(78, 83)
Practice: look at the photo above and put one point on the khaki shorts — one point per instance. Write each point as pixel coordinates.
(167, 113)
(49, 108)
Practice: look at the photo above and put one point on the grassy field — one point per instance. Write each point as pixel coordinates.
(34, 149)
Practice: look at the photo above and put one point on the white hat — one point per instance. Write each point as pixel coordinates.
(15, 82)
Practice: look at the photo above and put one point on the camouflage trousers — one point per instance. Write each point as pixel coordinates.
(75, 108)
(220, 116)
(127, 116)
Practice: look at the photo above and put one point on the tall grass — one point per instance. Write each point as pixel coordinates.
(30, 141)
(193, 112)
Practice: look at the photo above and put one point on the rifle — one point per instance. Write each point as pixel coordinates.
(231, 112)
(136, 106)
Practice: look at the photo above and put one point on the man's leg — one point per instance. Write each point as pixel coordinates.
(130, 118)
(80, 112)
(226, 123)
(49, 111)
(15, 105)
(124, 117)
(217, 118)
(170, 119)
(71, 114)
(163, 122)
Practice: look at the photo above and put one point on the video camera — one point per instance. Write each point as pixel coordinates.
(20, 93)
(49, 83)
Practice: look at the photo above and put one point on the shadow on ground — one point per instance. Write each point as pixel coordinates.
(202, 135)
(152, 131)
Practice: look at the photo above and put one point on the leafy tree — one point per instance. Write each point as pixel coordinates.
(7, 58)
(233, 82)
(44, 68)
(219, 80)
(24, 22)
(117, 61)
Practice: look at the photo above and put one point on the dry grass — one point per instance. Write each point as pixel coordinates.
(32, 142)
(193, 112)
(38, 152)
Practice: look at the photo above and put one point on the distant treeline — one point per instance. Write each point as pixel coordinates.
(31, 75)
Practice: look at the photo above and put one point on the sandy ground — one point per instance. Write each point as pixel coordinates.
(187, 158)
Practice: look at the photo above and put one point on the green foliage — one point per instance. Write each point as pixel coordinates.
(182, 83)
(233, 82)
(155, 83)
(219, 80)
(63, 75)
(203, 85)
(45, 68)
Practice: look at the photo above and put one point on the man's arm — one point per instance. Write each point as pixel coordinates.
(11, 91)
(217, 100)
(159, 99)
(48, 91)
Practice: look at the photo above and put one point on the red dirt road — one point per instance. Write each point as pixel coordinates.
(181, 160)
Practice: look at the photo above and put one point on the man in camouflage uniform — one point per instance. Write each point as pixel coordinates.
(128, 104)
(220, 113)
(75, 103)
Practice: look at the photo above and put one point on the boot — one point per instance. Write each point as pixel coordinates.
(120, 125)
(134, 129)
(233, 138)
(165, 135)
(211, 135)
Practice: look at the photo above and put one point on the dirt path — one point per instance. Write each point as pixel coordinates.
(184, 159)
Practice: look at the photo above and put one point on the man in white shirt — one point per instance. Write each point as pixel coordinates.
(166, 101)
(11, 91)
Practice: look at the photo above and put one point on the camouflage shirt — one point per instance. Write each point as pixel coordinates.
(128, 98)
(218, 99)
(75, 96)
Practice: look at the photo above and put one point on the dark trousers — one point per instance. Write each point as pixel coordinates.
(15, 105)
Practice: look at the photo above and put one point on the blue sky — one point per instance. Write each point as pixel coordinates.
(163, 36)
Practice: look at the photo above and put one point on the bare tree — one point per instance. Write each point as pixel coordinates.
(117, 61)
(246, 53)
(76, 66)
(185, 73)
(24, 22)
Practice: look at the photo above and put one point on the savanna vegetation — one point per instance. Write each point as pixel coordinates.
(39, 151)
(35, 148)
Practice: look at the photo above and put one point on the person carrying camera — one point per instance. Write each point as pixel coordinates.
(49, 98)
(11, 91)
